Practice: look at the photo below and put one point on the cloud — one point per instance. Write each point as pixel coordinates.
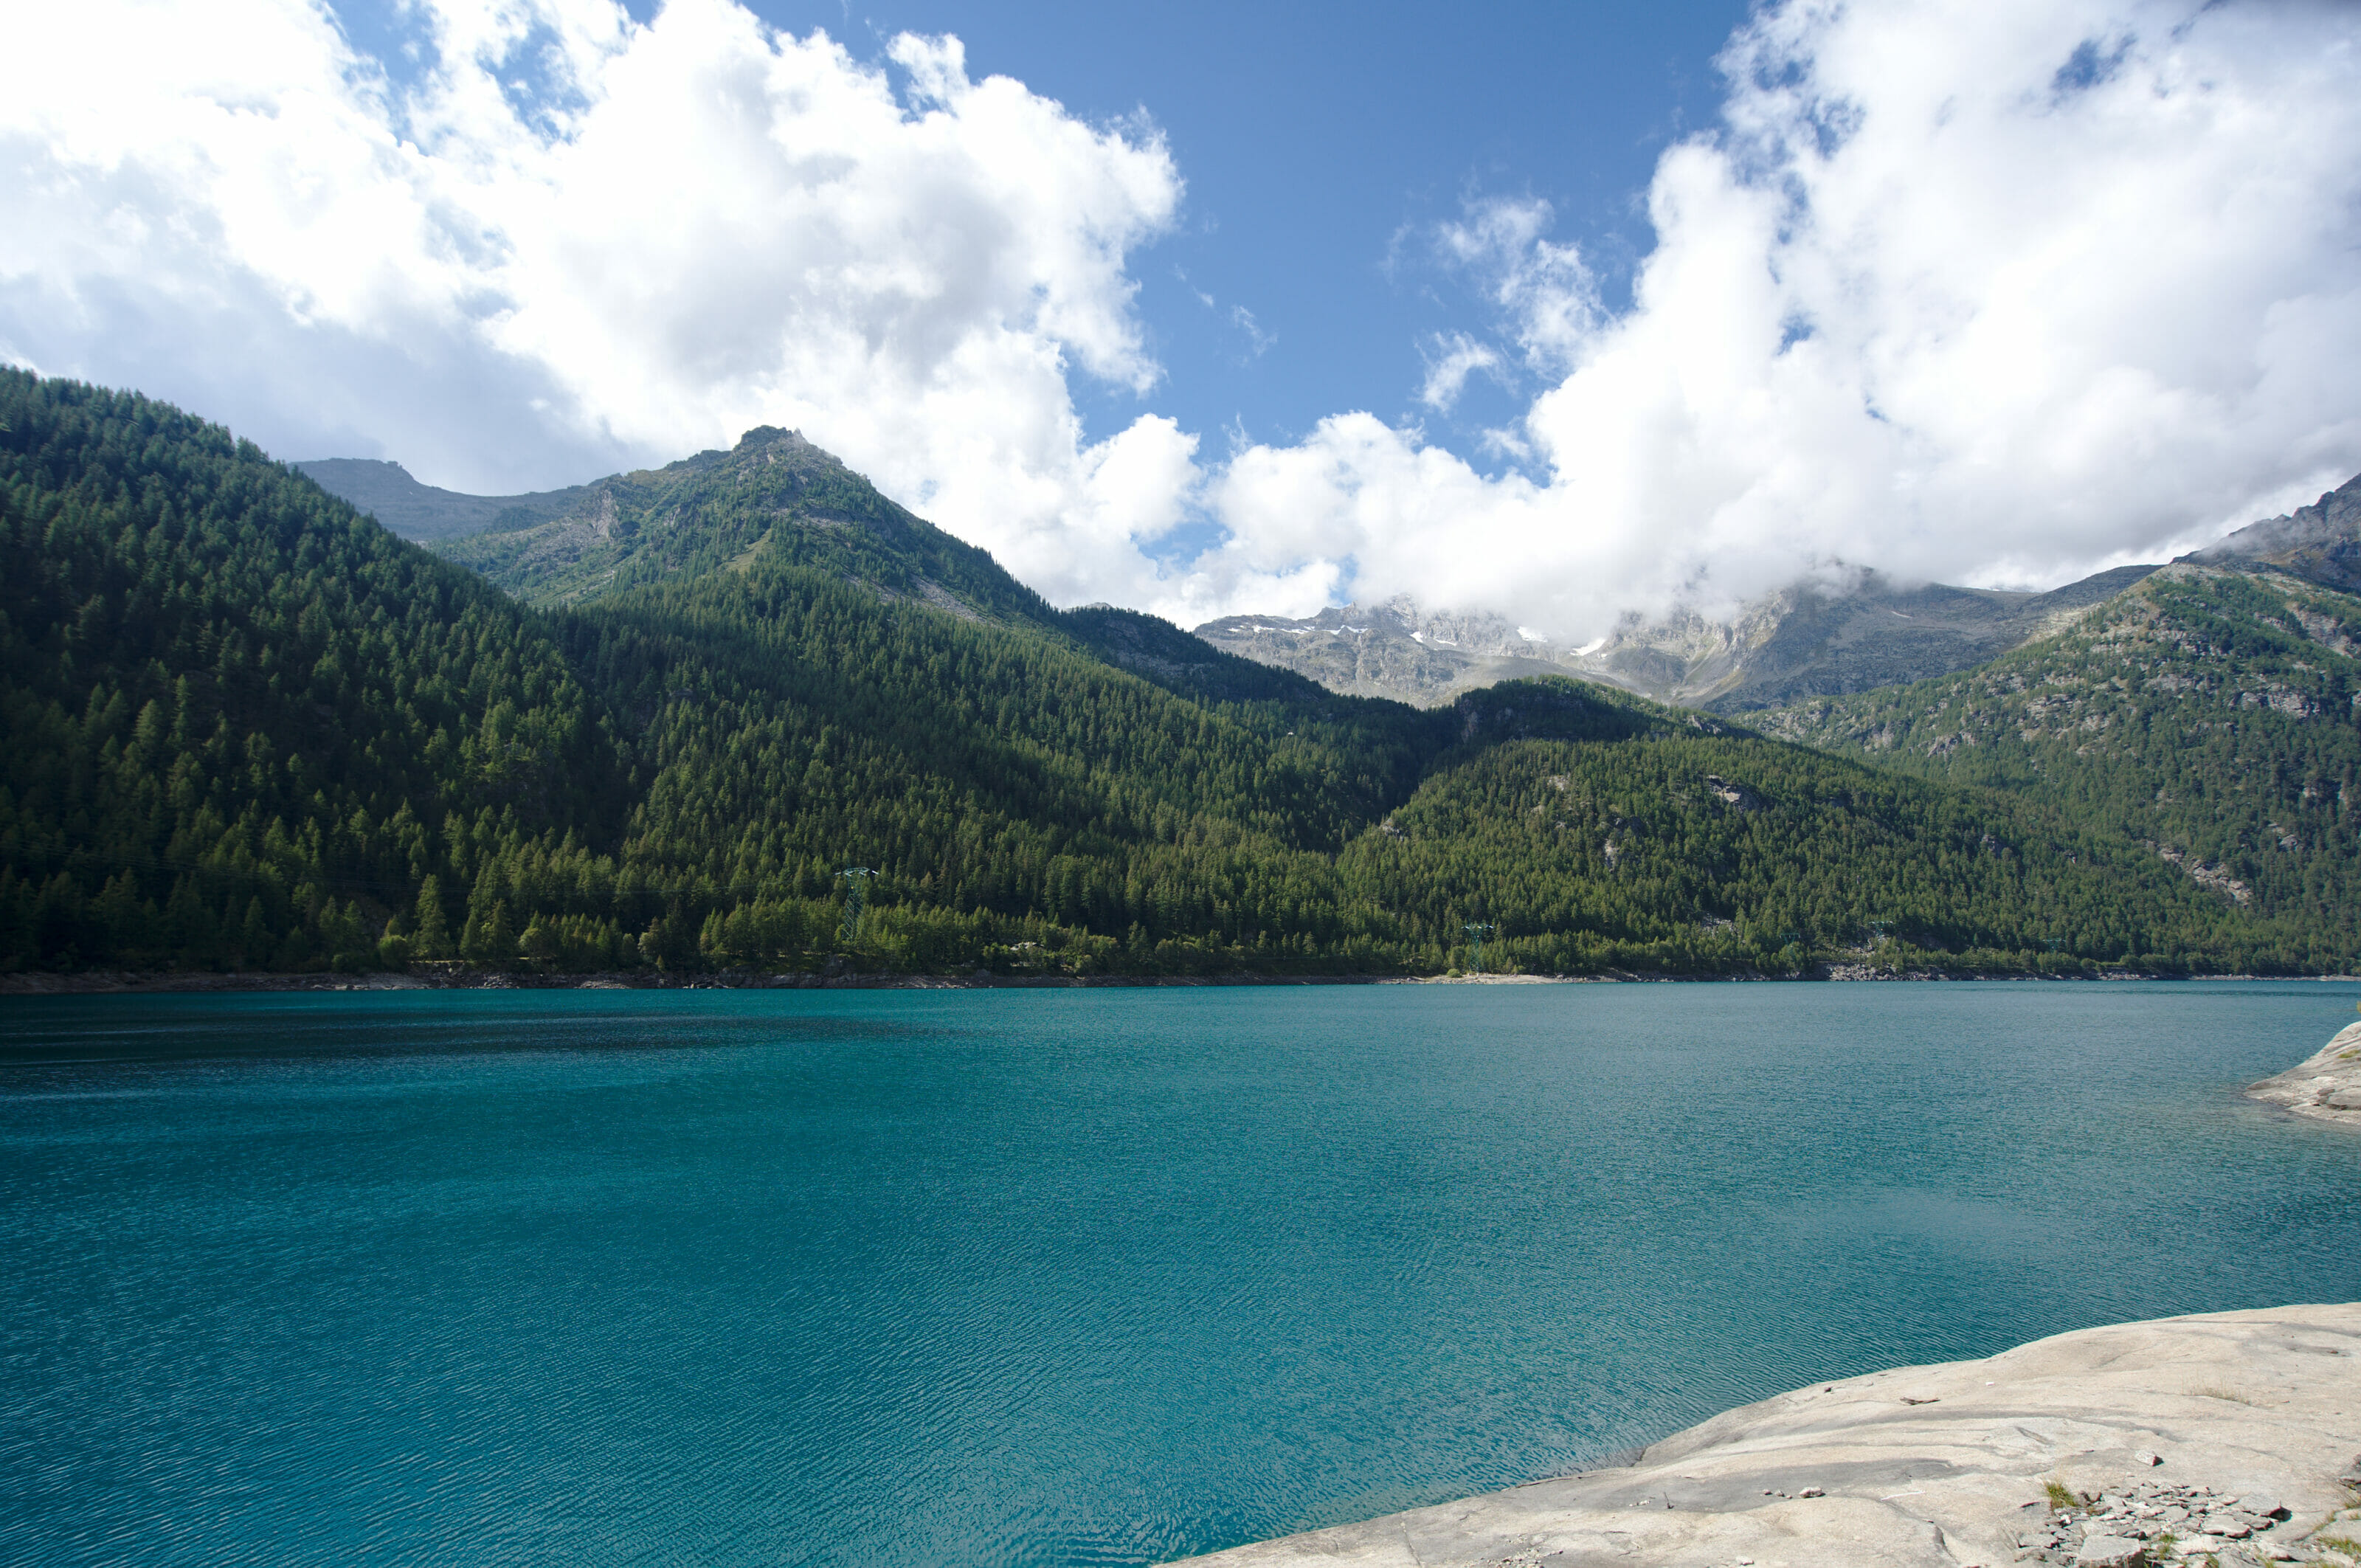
(1544, 291)
(1995, 291)
(677, 231)
(1451, 358)
(1258, 341)
(1972, 290)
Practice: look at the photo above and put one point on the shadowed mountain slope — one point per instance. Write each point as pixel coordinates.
(422, 512)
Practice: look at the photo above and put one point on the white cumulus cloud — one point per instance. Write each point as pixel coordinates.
(1994, 291)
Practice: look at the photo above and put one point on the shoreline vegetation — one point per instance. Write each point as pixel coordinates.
(2217, 1439)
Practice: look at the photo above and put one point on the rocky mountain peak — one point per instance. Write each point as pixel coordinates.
(2320, 542)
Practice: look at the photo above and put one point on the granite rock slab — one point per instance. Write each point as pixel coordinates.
(2327, 1086)
(1945, 1466)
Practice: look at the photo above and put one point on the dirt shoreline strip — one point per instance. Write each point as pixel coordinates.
(119, 981)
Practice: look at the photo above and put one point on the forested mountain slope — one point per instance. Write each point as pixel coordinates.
(245, 726)
(1600, 830)
(231, 707)
(775, 497)
(2208, 712)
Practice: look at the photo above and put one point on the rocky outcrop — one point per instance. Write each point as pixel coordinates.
(2231, 1437)
(1800, 642)
(1393, 650)
(2320, 542)
(2327, 1087)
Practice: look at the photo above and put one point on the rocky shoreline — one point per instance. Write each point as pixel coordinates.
(2326, 1087)
(2226, 1441)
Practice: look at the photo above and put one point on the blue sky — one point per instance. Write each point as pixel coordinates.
(1561, 311)
(1321, 144)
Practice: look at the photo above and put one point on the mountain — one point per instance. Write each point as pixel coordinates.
(1808, 641)
(1804, 641)
(2320, 542)
(775, 497)
(2208, 713)
(422, 512)
(247, 726)
(1391, 650)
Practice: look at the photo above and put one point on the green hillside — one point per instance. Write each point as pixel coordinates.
(248, 728)
(774, 499)
(1643, 837)
(2208, 713)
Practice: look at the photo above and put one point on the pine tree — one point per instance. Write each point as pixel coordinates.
(433, 937)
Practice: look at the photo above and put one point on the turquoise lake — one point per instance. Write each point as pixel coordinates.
(1059, 1278)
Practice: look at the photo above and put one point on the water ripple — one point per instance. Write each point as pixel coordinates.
(1056, 1280)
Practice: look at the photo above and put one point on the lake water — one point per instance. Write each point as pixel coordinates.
(1057, 1278)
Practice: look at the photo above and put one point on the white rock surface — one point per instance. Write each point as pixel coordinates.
(1942, 1466)
(2328, 1086)
(2111, 1551)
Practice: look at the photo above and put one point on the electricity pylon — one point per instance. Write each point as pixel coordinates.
(1476, 931)
(856, 902)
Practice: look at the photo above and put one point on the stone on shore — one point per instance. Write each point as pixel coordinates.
(1948, 1466)
(2327, 1087)
(2111, 1551)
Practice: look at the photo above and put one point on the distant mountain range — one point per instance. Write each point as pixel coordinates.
(1801, 642)
(1798, 642)
(422, 513)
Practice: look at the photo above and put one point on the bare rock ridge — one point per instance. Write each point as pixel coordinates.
(2229, 1438)
(2320, 542)
(424, 513)
(1392, 650)
(1799, 643)
(2327, 1087)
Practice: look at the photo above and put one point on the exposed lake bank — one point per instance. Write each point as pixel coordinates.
(2230, 1436)
(459, 976)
